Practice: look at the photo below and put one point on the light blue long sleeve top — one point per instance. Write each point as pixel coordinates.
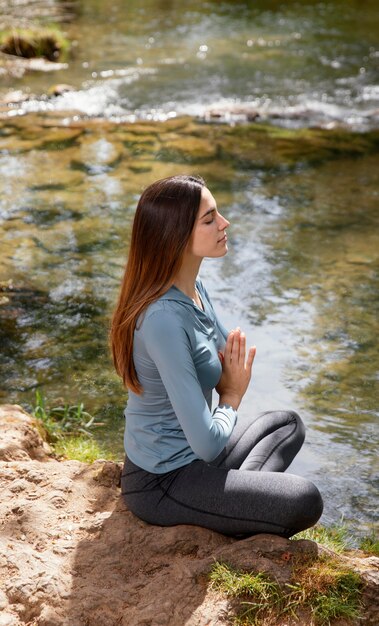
(176, 358)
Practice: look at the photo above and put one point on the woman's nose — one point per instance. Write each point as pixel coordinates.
(223, 223)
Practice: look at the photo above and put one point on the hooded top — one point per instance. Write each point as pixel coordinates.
(176, 358)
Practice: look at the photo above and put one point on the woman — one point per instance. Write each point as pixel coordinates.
(184, 463)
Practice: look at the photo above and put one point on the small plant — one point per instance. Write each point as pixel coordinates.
(68, 431)
(370, 544)
(63, 420)
(260, 596)
(334, 537)
(80, 449)
(326, 589)
(330, 589)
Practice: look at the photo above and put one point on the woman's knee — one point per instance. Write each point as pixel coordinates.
(296, 419)
(309, 505)
(285, 418)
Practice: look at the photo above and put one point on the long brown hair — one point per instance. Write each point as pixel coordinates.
(163, 222)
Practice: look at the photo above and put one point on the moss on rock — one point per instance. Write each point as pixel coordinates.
(49, 43)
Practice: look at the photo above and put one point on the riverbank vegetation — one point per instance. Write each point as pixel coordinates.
(69, 428)
(47, 42)
(322, 588)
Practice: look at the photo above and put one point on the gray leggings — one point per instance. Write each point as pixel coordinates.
(242, 492)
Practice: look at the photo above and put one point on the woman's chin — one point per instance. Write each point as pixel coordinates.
(219, 253)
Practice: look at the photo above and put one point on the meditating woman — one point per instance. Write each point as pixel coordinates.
(187, 464)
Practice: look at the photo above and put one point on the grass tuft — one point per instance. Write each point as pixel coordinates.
(325, 588)
(370, 544)
(331, 590)
(68, 429)
(80, 449)
(64, 419)
(334, 537)
(260, 596)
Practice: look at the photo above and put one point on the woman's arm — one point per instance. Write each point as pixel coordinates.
(168, 345)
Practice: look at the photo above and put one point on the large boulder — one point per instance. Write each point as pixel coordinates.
(73, 555)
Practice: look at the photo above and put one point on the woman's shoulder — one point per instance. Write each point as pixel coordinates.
(163, 323)
(161, 308)
(164, 312)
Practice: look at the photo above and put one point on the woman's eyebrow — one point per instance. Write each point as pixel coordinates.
(207, 213)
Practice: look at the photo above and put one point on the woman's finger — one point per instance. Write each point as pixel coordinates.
(229, 346)
(250, 358)
(236, 347)
(242, 349)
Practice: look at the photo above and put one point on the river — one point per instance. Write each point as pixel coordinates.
(300, 188)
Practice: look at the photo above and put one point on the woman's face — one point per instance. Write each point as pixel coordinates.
(208, 238)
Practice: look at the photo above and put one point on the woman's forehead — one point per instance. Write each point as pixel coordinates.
(207, 200)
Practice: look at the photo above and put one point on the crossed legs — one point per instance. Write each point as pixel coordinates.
(244, 491)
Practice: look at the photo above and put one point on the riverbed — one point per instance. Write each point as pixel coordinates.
(299, 186)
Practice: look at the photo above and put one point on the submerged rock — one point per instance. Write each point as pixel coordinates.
(58, 90)
(72, 554)
(18, 66)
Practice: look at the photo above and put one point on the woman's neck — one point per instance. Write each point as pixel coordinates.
(186, 277)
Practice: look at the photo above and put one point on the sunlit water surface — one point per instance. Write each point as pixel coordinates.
(301, 275)
(297, 62)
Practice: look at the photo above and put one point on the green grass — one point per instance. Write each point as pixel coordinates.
(339, 539)
(80, 449)
(324, 588)
(370, 544)
(330, 589)
(68, 429)
(260, 597)
(336, 537)
(64, 419)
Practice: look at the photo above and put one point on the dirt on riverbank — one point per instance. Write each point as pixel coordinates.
(71, 553)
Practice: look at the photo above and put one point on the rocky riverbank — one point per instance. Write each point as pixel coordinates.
(73, 555)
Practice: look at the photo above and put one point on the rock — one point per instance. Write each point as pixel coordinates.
(187, 150)
(73, 555)
(31, 43)
(19, 436)
(6, 619)
(15, 97)
(267, 553)
(17, 66)
(58, 90)
(97, 155)
(109, 474)
(230, 114)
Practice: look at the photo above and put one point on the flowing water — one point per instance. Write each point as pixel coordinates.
(297, 62)
(301, 275)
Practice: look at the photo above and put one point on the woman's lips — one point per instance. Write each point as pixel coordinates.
(223, 239)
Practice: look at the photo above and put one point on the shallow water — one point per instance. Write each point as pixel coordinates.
(300, 276)
(300, 63)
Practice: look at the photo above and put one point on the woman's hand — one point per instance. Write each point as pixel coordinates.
(236, 369)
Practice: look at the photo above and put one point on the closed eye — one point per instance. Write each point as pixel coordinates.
(208, 214)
